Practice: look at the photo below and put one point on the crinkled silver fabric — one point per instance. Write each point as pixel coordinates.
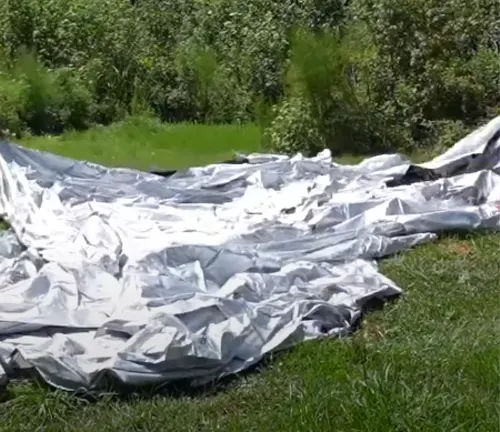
(115, 273)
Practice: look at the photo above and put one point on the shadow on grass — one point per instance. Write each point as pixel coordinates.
(111, 388)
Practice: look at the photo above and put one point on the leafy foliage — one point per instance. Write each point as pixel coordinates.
(363, 75)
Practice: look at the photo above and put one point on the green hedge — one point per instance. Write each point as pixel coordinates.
(357, 76)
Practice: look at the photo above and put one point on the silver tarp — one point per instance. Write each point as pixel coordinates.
(124, 275)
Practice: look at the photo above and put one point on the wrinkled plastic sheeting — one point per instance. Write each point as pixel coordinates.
(115, 273)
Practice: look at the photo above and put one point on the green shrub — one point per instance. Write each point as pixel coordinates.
(41, 95)
(369, 75)
(322, 92)
(436, 61)
(45, 101)
(77, 107)
(294, 129)
(11, 104)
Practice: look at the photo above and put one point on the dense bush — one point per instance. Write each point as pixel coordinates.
(357, 76)
(438, 61)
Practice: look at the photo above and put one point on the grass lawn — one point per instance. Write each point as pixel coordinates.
(143, 143)
(429, 361)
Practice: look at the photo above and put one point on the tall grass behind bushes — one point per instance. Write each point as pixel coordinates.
(358, 76)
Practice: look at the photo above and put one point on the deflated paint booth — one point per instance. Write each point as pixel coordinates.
(115, 273)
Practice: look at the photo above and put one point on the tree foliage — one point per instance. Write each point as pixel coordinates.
(358, 76)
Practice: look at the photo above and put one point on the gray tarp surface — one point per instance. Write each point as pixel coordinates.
(123, 274)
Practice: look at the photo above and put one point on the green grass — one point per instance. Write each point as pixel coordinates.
(430, 361)
(142, 142)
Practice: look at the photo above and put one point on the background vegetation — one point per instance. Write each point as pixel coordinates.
(361, 75)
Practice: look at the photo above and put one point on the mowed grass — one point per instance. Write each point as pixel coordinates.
(429, 361)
